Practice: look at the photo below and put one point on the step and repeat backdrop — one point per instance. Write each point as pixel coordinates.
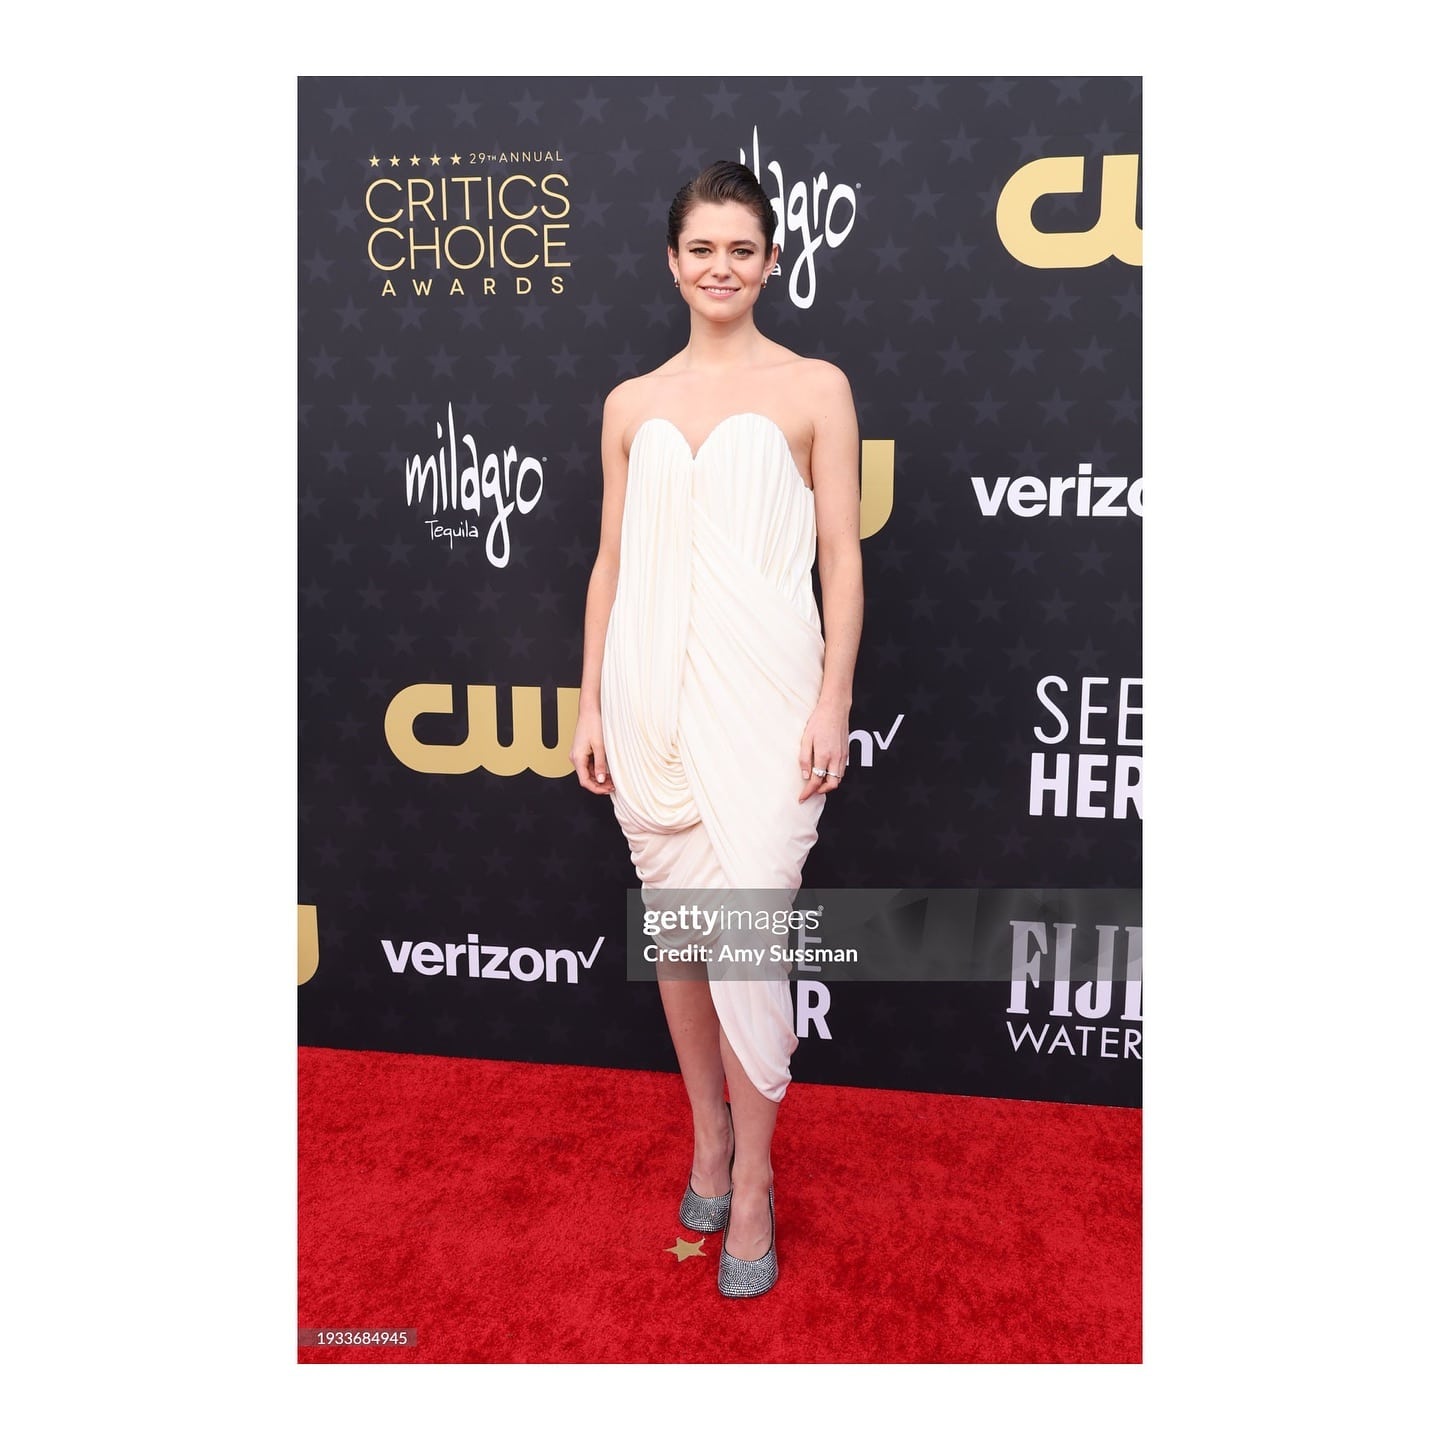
(480, 261)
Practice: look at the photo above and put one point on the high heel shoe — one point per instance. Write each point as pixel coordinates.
(740, 1278)
(709, 1213)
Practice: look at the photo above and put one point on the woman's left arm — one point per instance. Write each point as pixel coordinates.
(835, 474)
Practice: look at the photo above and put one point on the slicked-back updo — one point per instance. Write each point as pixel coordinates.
(717, 184)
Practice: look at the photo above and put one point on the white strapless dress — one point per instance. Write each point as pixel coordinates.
(712, 666)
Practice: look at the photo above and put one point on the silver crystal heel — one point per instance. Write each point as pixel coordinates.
(739, 1278)
(709, 1213)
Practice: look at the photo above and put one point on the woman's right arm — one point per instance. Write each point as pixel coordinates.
(587, 754)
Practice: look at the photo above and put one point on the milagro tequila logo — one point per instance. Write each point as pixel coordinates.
(807, 212)
(502, 483)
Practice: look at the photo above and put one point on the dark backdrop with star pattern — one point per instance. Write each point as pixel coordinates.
(992, 611)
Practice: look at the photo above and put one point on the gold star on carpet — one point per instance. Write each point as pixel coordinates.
(684, 1249)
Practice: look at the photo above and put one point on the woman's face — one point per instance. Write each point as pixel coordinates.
(721, 263)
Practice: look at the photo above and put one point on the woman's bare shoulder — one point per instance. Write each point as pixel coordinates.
(812, 386)
(826, 379)
(627, 400)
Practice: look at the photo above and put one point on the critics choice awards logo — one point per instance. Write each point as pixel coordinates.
(451, 224)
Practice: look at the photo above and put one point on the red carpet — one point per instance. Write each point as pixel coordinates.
(522, 1213)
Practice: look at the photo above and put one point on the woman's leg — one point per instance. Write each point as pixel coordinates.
(755, 1117)
(695, 1033)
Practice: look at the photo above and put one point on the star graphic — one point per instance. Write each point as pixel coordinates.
(690, 155)
(1056, 407)
(890, 148)
(988, 606)
(822, 152)
(955, 358)
(927, 94)
(1023, 559)
(527, 109)
(855, 307)
(1129, 302)
(987, 408)
(960, 145)
(1104, 140)
(1094, 355)
(923, 200)
(921, 306)
(722, 101)
(1056, 608)
(1021, 656)
(1023, 356)
(657, 106)
(997, 92)
(790, 99)
(1126, 407)
(889, 254)
(1060, 303)
(463, 110)
(957, 252)
(624, 157)
(991, 305)
(1125, 608)
(1031, 144)
(340, 114)
(857, 96)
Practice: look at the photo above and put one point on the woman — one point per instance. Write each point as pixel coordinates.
(706, 676)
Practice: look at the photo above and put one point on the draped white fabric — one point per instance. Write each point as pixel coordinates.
(712, 666)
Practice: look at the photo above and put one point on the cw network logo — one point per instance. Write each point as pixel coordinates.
(1115, 233)
(481, 747)
(430, 957)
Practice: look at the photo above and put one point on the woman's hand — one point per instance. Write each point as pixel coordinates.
(587, 753)
(825, 745)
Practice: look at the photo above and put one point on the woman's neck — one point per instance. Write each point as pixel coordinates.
(722, 347)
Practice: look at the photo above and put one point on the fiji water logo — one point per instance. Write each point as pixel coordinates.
(814, 212)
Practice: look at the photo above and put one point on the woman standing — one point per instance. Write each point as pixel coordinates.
(713, 711)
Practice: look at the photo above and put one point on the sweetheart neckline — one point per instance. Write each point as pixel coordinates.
(715, 430)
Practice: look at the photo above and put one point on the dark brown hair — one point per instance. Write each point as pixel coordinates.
(716, 184)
